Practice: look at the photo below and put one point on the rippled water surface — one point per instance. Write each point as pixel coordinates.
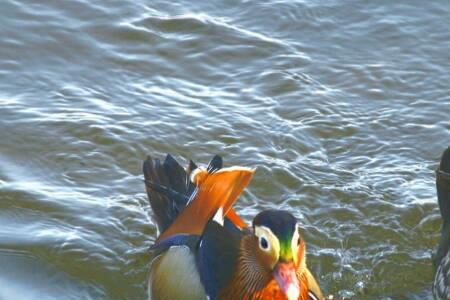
(343, 107)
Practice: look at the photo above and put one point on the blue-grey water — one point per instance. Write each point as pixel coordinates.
(343, 107)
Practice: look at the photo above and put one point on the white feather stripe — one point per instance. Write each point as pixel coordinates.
(219, 217)
(312, 296)
(201, 170)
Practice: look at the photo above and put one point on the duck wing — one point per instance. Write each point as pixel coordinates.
(217, 257)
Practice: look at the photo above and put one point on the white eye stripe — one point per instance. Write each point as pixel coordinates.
(272, 240)
(294, 243)
(296, 235)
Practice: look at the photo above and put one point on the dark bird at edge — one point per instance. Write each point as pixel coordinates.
(441, 285)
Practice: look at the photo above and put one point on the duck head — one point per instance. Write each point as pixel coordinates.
(280, 249)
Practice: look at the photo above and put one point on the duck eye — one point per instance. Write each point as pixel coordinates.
(264, 244)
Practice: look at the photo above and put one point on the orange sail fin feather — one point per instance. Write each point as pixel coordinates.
(236, 219)
(198, 176)
(217, 190)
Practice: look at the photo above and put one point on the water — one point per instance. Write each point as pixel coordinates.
(343, 107)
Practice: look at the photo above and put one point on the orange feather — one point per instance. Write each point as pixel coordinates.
(236, 219)
(198, 176)
(216, 190)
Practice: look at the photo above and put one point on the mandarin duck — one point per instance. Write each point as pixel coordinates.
(206, 251)
(441, 285)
